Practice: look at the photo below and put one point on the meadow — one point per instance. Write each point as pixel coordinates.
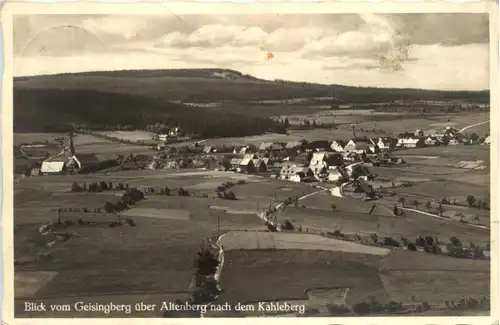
(269, 275)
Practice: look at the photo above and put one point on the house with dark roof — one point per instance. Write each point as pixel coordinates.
(338, 145)
(321, 145)
(291, 145)
(264, 146)
(432, 141)
(360, 146)
(386, 143)
(247, 166)
(260, 165)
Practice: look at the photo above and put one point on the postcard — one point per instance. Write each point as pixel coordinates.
(300, 162)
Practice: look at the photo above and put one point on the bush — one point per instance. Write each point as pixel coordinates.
(75, 187)
(455, 241)
(183, 192)
(103, 185)
(411, 247)
(420, 241)
(109, 207)
(336, 309)
(393, 306)
(229, 195)
(337, 233)
(288, 225)
(362, 308)
(389, 241)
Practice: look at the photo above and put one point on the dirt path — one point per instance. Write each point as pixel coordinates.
(472, 125)
(443, 218)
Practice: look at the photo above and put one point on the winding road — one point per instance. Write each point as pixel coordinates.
(472, 125)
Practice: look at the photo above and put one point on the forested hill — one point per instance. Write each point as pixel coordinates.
(58, 110)
(228, 85)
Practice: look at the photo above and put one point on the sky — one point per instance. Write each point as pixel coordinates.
(425, 51)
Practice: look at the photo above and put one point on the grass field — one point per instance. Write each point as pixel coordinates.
(79, 139)
(264, 275)
(137, 135)
(283, 241)
(168, 233)
(401, 276)
(411, 226)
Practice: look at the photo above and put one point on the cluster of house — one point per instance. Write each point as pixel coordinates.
(172, 133)
(329, 157)
(66, 160)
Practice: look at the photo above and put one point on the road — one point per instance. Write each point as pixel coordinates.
(443, 218)
(472, 125)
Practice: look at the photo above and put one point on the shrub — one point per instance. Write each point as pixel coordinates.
(411, 247)
(389, 241)
(103, 185)
(470, 200)
(109, 207)
(362, 308)
(337, 309)
(183, 192)
(229, 195)
(288, 225)
(337, 233)
(393, 306)
(205, 262)
(75, 187)
(420, 241)
(455, 241)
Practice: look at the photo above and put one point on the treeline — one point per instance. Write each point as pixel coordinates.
(58, 110)
(199, 85)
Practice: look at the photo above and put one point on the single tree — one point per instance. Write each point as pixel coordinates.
(420, 241)
(455, 241)
(470, 200)
(428, 206)
(402, 200)
(416, 204)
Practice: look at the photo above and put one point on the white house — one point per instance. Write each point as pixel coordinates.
(431, 141)
(360, 146)
(411, 142)
(487, 141)
(338, 145)
(334, 175)
(318, 162)
(386, 144)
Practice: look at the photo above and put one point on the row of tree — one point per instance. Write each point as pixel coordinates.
(223, 191)
(131, 197)
(98, 187)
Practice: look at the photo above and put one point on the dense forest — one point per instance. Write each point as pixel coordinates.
(135, 99)
(59, 110)
(198, 85)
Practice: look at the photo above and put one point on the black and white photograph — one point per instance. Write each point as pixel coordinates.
(251, 164)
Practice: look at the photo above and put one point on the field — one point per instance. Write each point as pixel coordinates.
(102, 261)
(284, 241)
(401, 276)
(85, 143)
(154, 259)
(130, 135)
(258, 275)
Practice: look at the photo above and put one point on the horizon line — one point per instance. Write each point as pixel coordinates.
(244, 74)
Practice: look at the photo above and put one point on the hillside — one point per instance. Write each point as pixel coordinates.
(226, 85)
(57, 110)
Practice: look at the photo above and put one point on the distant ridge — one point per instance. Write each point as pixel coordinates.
(226, 84)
